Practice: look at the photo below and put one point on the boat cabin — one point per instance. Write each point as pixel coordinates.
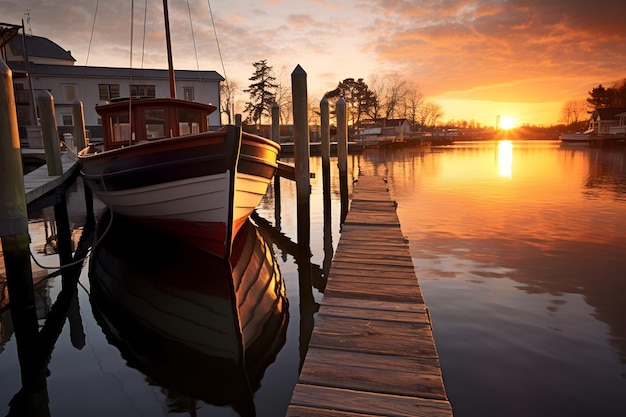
(129, 121)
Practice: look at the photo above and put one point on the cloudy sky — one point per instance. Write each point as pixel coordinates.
(477, 58)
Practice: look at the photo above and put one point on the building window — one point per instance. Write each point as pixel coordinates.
(69, 93)
(108, 91)
(68, 120)
(143, 91)
(188, 94)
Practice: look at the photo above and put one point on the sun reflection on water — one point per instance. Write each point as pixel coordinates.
(505, 158)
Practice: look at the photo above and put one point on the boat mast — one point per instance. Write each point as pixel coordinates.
(168, 41)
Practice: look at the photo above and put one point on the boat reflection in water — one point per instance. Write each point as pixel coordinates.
(201, 327)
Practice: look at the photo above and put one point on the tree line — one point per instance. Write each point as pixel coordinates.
(576, 112)
(385, 97)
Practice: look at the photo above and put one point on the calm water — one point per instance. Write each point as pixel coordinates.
(520, 249)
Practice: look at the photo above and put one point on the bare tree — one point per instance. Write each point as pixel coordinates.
(283, 95)
(228, 98)
(390, 90)
(429, 113)
(573, 112)
(411, 104)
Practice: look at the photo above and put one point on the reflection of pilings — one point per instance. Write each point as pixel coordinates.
(325, 137)
(342, 155)
(274, 236)
(308, 306)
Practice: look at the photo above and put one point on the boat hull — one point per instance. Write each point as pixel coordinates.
(199, 188)
(593, 139)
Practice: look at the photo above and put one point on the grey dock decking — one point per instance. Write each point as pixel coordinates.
(372, 351)
(38, 183)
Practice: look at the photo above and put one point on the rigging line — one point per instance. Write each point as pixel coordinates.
(93, 26)
(219, 51)
(130, 74)
(193, 38)
(145, 19)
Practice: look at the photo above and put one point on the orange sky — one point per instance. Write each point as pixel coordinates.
(477, 58)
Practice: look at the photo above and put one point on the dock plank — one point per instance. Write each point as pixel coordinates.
(372, 351)
(364, 403)
(37, 183)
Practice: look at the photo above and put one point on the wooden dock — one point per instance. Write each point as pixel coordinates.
(372, 351)
(38, 183)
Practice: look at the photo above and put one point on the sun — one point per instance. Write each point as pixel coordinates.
(507, 123)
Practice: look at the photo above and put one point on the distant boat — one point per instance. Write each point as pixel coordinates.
(198, 325)
(577, 137)
(161, 165)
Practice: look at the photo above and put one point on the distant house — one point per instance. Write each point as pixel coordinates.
(50, 67)
(384, 127)
(608, 120)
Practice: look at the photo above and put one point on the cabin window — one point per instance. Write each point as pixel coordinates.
(108, 92)
(120, 128)
(189, 121)
(155, 123)
(143, 91)
(188, 94)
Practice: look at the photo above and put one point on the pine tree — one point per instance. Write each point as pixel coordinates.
(262, 92)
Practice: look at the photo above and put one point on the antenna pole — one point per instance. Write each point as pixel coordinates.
(168, 41)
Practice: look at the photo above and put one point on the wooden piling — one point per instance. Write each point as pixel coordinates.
(14, 223)
(275, 136)
(275, 133)
(79, 125)
(238, 119)
(342, 155)
(45, 105)
(301, 153)
(325, 139)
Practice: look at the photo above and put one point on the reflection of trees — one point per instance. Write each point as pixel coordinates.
(607, 172)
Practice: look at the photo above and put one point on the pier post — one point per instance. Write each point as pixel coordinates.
(342, 155)
(325, 138)
(45, 104)
(78, 114)
(301, 153)
(275, 136)
(275, 133)
(14, 230)
(238, 119)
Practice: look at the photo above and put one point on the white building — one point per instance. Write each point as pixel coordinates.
(51, 68)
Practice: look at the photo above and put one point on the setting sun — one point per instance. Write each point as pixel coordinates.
(507, 123)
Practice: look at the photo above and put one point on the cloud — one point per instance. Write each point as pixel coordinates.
(464, 44)
(495, 50)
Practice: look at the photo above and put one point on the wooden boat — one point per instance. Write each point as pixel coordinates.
(200, 326)
(160, 164)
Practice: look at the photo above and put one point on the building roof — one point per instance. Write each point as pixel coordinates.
(39, 47)
(608, 113)
(51, 70)
(367, 123)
